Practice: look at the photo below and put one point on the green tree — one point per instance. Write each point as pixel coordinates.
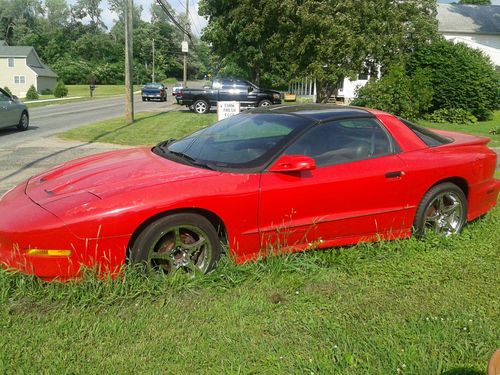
(272, 40)
(461, 77)
(57, 12)
(475, 2)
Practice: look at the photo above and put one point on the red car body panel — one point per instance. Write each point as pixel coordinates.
(94, 206)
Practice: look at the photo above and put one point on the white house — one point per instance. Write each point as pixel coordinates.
(20, 67)
(478, 26)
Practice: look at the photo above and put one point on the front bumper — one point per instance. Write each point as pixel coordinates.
(24, 225)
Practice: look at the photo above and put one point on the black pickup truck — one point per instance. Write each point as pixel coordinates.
(226, 89)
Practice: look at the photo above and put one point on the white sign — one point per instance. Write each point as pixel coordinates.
(227, 109)
(185, 47)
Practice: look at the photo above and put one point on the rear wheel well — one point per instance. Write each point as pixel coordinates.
(201, 98)
(215, 220)
(459, 181)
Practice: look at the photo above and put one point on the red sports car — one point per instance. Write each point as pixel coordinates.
(283, 179)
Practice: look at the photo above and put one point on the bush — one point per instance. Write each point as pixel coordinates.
(61, 90)
(495, 130)
(452, 115)
(461, 77)
(398, 93)
(7, 90)
(47, 92)
(32, 94)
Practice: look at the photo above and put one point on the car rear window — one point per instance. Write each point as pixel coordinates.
(430, 138)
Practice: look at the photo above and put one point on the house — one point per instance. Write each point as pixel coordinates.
(20, 67)
(478, 26)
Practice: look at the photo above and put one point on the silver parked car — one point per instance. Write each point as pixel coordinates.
(13, 112)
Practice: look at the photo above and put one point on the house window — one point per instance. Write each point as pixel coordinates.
(19, 79)
(11, 62)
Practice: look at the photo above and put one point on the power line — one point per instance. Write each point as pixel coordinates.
(191, 17)
(174, 21)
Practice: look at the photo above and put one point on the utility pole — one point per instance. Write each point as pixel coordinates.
(153, 60)
(129, 91)
(185, 41)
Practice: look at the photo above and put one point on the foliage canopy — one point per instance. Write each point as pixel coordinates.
(275, 41)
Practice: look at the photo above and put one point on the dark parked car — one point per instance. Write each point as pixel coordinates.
(12, 112)
(227, 89)
(156, 91)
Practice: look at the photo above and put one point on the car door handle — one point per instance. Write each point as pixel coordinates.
(394, 174)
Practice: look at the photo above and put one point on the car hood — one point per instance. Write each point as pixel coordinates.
(110, 173)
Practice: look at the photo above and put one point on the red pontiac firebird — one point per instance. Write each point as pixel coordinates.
(284, 178)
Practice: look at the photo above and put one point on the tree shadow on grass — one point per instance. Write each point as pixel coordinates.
(93, 140)
(463, 371)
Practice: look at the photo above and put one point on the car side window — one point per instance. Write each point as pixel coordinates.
(343, 141)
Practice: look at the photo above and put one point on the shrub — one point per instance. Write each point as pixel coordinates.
(32, 94)
(47, 92)
(495, 130)
(61, 90)
(461, 77)
(7, 90)
(398, 93)
(452, 115)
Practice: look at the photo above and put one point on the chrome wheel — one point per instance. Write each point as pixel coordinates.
(445, 214)
(265, 103)
(442, 210)
(201, 106)
(182, 247)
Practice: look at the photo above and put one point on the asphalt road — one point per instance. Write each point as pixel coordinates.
(49, 120)
(23, 154)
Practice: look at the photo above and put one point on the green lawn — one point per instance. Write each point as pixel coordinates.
(154, 127)
(82, 91)
(480, 128)
(408, 307)
(149, 128)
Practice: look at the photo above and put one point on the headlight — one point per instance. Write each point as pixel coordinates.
(276, 96)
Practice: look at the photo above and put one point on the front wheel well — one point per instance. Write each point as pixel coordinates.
(215, 220)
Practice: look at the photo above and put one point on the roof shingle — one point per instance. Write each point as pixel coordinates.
(476, 19)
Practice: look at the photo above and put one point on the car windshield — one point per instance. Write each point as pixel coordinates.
(242, 141)
(152, 86)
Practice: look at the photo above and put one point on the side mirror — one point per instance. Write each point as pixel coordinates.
(14, 97)
(250, 88)
(293, 163)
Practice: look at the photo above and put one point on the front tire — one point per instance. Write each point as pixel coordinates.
(24, 121)
(201, 106)
(180, 241)
(265, 103)
(443, 210)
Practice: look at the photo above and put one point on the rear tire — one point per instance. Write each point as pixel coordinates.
(201, 106)
(443, 210)
(180, 241)
(24, 121)
(143, 99)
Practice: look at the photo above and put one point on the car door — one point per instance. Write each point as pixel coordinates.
(357, 191)
(9, 113)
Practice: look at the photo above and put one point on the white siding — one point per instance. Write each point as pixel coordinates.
(20, 69)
